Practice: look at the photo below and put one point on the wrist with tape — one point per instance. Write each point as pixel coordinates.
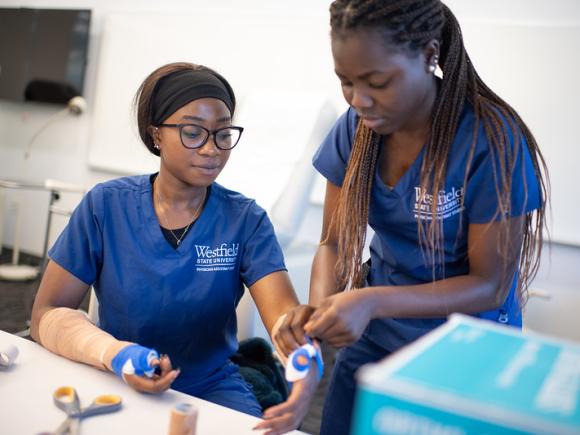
(134, 360)
(298, 363)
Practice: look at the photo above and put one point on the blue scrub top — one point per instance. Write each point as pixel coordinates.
(396, 257)
(179, 301)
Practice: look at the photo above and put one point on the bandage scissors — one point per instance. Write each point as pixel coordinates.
(66, 398)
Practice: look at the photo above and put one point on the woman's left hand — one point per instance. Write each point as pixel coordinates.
(289, 334)
(341, 318)
(287, 416)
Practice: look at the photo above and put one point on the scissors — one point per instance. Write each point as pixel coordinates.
(66, 398)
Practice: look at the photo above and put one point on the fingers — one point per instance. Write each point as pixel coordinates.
(281, 409)
(301, 316)
(287, 416)
(320, 322)
(290, 335)
(278, 425)
(332, 331)
(157, 384)
(282, 418)
(284, 336)
(165, 365)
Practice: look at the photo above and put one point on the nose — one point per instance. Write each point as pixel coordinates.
(209, 148)
(360, 99)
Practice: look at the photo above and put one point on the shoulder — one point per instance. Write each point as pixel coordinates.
(341, 136)
(234, 202)
(118, 189)
(494, 121)
(472, 138)
(332, 156)
(119, 186)
(132, 183)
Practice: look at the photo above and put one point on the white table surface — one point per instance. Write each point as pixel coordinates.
(26, 405)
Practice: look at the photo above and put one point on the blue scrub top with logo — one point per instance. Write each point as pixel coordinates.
(396, 258)
(179, 301)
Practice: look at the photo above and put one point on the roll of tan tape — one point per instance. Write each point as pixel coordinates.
(183, 419)
(8, 354)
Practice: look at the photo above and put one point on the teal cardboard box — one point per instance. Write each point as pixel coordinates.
(471, 376)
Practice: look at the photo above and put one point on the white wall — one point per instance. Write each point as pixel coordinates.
(62, 151)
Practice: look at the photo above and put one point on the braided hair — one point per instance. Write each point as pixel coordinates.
(411, 25)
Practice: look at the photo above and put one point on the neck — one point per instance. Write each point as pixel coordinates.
(176, 194)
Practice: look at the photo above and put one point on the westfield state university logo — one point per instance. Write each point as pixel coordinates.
(449, 203)
(221, 257)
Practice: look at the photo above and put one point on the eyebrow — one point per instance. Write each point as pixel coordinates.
(197, 118)
(363, 76)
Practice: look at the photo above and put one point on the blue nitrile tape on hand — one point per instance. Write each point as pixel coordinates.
(134, 360)
(299, 362)
(318, 358)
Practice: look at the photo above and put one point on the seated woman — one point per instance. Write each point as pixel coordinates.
(168, 255)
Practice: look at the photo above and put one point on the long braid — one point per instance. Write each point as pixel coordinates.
(358, 179)
(411, 24)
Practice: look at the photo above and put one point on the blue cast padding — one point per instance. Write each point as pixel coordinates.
(140, 358)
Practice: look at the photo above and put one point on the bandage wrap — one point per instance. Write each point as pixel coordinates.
(299, 362)
(69, 333)
(135, 360)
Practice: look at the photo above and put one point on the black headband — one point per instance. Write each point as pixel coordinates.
(176, 90)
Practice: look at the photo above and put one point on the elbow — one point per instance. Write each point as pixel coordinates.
(498, 300)
(35, 319)
(34, 328)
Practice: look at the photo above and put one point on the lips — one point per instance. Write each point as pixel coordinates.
(207, 170)
(372, 122)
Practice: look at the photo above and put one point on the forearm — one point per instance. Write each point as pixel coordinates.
(274, 296)
(69, 333)
(323, 277)
(465, 294)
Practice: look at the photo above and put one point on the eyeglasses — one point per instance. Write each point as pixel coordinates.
(195, 136)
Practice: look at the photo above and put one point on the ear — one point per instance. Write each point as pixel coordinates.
(154, 133)
(431, 55)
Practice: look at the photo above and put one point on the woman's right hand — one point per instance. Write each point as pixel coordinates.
(160, 380)
(290, 333)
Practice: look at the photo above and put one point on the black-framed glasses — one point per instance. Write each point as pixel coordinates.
(195, 136)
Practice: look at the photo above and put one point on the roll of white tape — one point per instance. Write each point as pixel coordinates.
(8, 354)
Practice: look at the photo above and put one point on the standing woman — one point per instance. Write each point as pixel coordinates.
(444, 171)
(168, 255)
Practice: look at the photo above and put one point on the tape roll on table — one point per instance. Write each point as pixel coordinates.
(183, 419)
(8, 354)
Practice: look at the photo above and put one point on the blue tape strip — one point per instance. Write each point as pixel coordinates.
(318, 359)
(140, 358)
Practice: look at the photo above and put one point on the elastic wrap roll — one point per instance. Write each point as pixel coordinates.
(183, 420)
